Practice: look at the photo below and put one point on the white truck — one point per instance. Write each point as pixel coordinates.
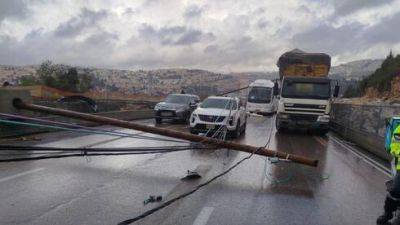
(260, 99)
(305, 93)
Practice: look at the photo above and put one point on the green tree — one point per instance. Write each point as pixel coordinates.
(382, 78)
(46, 73)
(28, 80)
(63, 77)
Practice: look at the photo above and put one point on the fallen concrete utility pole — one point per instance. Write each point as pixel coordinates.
(19, 104)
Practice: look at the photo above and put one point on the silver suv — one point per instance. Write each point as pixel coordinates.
(176, 107)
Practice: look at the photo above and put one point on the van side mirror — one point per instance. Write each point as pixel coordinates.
(336, 91)
(276, 89)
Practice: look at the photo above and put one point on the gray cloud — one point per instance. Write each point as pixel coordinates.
(327, 38)
(38, 46)
(384, 32)
(345, 7)
(74, 26)
(13, 9)
(175, 35)
(193, 11)
(262, 23)
(242, 38)
(353, 37)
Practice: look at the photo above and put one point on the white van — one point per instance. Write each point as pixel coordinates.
(260, 98)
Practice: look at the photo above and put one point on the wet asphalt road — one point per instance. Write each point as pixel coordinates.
(344, 189)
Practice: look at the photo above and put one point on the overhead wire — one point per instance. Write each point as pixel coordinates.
(78, 128)
(82, 154)
(114, 149)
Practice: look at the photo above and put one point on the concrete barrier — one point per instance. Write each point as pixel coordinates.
(363, 125)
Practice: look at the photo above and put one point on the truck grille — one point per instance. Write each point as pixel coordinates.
(308, 106)
(304, 117)
(212, 119)
(305, 108)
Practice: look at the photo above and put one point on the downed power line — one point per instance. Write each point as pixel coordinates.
(19, 104)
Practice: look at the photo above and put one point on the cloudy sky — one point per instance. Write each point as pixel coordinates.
(219, 35)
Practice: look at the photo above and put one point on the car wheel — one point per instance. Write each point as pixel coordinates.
(158, 120)
(192, 131)
(187, 119)
(244, 128)
(236, 132)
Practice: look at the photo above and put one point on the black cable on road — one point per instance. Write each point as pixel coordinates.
(169, 202)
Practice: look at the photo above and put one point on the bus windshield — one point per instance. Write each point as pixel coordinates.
(260, 95)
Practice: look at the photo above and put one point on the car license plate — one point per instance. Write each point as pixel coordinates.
(210, 126)
(305, 123)
(166, 113)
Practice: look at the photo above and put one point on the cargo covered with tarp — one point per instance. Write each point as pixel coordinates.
(300, 63)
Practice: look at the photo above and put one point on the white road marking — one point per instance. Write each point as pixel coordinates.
(203, 216)
(20, 174)
(364, 157)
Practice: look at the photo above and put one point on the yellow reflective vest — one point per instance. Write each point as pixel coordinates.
(395, 148)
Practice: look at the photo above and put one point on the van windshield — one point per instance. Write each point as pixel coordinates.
(260, 95)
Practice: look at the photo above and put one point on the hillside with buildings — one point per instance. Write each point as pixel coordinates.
(111, 82)
(107, 83)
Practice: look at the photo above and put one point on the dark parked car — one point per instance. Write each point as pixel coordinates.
(176, 107)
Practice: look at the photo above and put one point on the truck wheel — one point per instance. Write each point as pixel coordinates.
(322, 132)
(279, 127)
(158, 120)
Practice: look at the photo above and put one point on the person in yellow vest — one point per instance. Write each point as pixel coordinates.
(392, 200)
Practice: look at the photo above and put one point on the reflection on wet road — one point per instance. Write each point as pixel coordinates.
(344, 189)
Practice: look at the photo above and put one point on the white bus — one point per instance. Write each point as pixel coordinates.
(261, 99)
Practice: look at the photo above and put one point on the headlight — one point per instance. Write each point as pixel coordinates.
(157, 107)
(283, 116)
(180, 109)
(324, 118)
(396, 137)
(194, 116)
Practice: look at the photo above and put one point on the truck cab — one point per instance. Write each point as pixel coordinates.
(305, 93)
